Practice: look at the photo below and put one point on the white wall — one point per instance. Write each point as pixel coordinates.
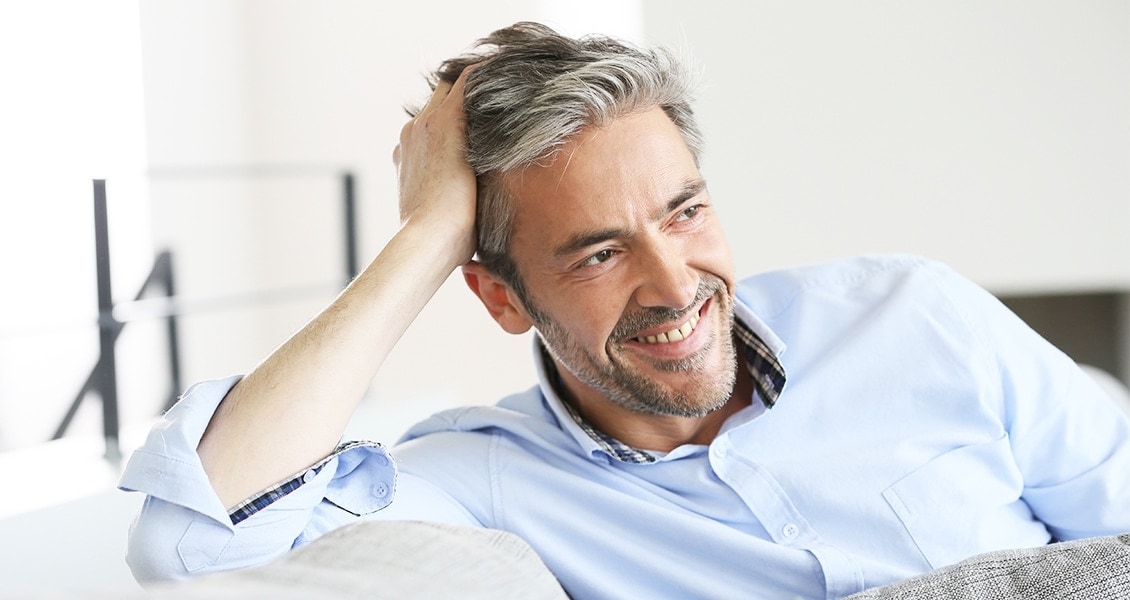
(236, 83)
(993, 135)
(72, 112)
(990, 135)
(316, 83)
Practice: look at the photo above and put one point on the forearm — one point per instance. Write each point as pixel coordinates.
(291, 410)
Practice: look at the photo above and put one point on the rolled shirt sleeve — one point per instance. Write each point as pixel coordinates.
(183, 529)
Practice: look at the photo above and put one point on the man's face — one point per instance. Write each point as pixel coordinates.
(629, 278)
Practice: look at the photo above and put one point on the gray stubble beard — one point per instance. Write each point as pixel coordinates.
(635, 391)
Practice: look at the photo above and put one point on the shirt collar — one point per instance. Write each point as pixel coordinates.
(759, 346)
(762, 350)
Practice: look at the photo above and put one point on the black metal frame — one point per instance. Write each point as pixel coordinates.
(103, 377)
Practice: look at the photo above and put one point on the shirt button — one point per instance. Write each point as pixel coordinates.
(790, 531)
(380, 490)
(308, 475)
(718, 451)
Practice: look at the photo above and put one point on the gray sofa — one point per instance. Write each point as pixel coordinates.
(1093, 569)
(390, 559)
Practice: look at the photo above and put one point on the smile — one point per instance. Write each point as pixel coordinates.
(675, 335)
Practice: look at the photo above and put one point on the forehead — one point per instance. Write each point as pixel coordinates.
(608, 176)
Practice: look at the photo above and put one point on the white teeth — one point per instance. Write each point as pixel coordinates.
(675, 335)
(685, 330)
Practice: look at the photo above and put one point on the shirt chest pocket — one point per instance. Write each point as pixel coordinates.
(965, 502)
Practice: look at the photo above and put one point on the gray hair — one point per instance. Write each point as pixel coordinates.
(533, 90)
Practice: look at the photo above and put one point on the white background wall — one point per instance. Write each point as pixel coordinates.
(320, 83)
(71, 110)
(993, 135)
(237, 83)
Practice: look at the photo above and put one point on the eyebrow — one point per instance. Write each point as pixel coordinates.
(690, 190)
(584, 239)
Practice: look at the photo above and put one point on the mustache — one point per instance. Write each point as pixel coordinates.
(631, 324)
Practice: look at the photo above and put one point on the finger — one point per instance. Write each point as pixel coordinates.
(441, 92)
(461, 81)
(449, 97)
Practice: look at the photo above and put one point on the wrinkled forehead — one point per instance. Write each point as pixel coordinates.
(617, 175)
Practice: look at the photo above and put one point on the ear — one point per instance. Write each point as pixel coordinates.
(501, 301)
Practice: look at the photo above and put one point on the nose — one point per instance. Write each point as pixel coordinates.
(667, 281)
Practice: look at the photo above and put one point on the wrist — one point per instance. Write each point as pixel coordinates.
(447, 240)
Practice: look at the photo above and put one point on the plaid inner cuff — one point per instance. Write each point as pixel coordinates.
(269, 496)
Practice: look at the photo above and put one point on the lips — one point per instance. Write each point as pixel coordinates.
(655, 326)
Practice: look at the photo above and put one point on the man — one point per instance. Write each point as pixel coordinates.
(663, 453)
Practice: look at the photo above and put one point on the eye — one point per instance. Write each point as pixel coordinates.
(597, 258)
(689, 213)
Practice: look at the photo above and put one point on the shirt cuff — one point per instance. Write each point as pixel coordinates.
(167, 466)
(357, 477)
(342, 462)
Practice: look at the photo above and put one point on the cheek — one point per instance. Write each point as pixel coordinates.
(710, 252)
(589, 313)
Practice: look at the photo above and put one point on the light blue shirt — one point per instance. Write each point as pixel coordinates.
(921, 423)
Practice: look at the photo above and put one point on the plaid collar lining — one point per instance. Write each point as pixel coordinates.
(610, 445)
(766, 371)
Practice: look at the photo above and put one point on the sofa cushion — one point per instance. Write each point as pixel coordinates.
(1094, 569)
(389, 559)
